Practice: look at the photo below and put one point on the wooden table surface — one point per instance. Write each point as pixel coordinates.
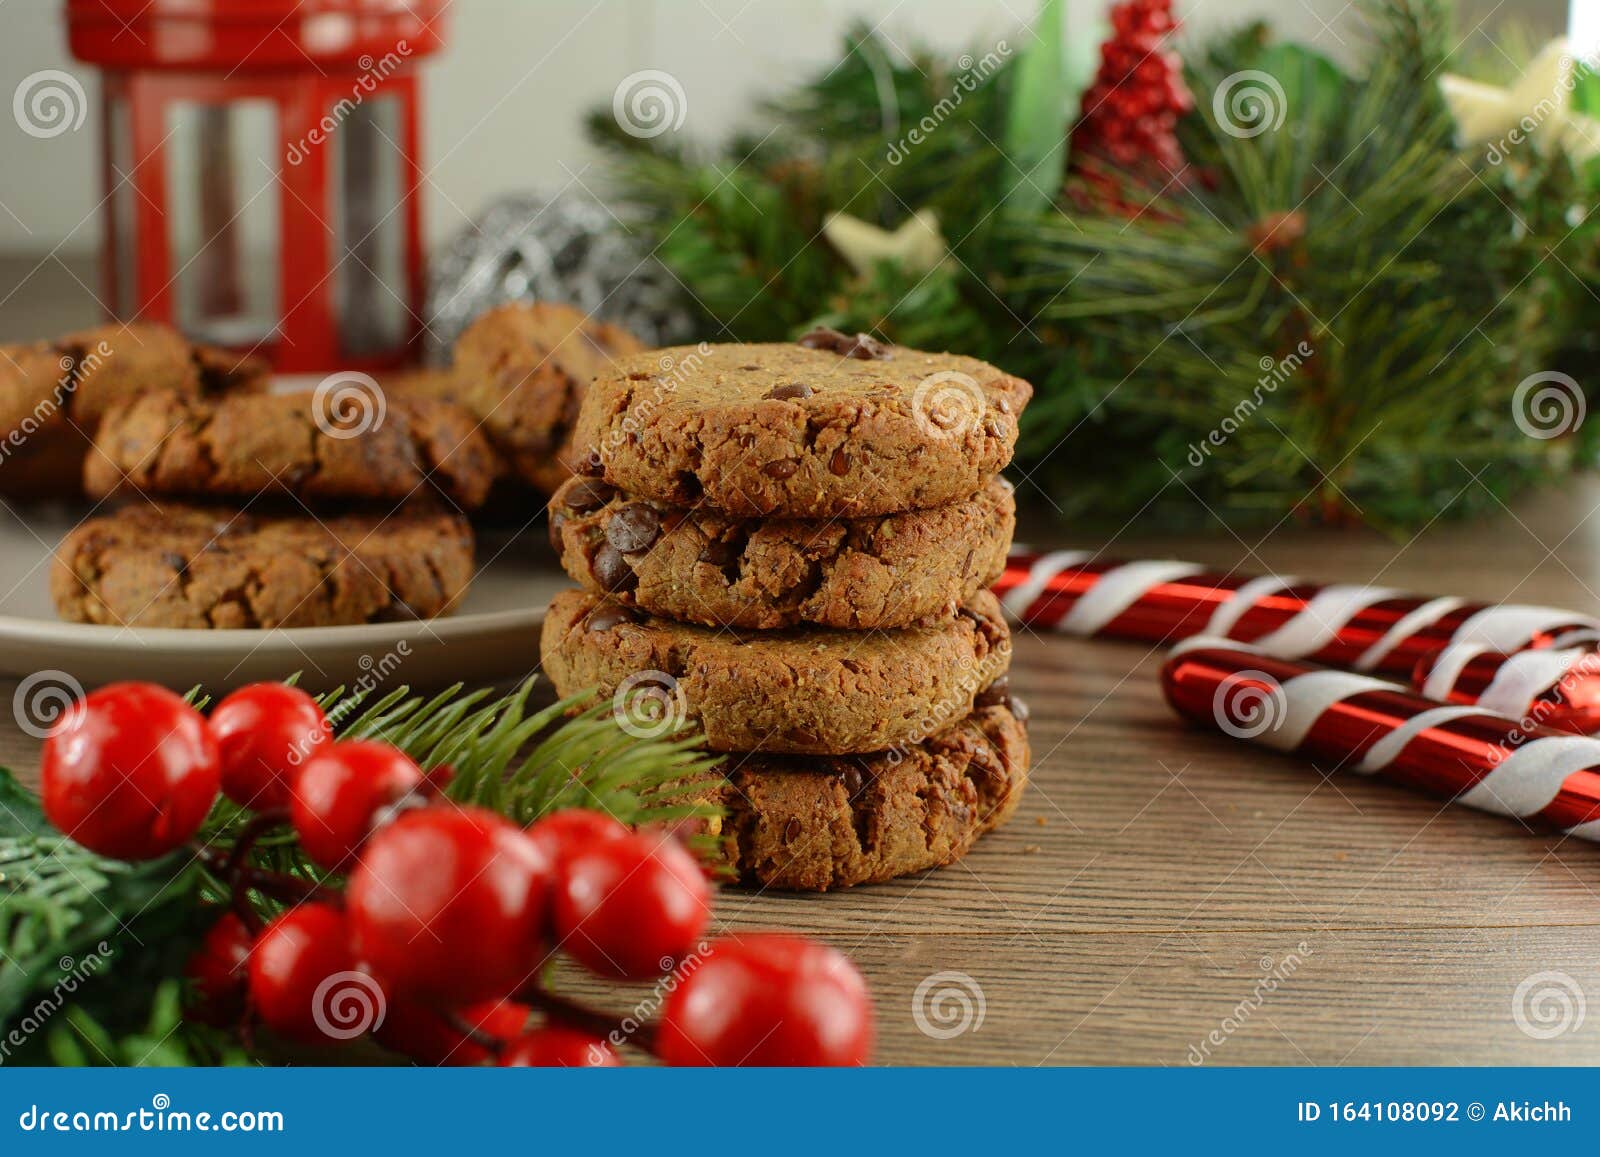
(1167, 896)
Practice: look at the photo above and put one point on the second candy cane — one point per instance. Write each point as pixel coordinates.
(1364, 628)
(1357, 723)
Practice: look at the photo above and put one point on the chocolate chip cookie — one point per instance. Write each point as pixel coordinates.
(823, 428)
(113, 364)
(53, 394)
(353, 444)
(813, 824)
(193, 567)
(807, 690)
(700, 566)
(522, 370)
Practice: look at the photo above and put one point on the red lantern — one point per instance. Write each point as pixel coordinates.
(262, 176)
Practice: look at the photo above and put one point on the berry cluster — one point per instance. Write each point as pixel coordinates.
(1129, 115)
(449, 914)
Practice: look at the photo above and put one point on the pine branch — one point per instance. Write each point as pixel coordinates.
(70, 918)
(503, 756)
(1398, 262)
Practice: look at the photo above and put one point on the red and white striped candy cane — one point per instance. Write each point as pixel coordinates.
(1557, 687)
(1373, 727)
(1363, 628)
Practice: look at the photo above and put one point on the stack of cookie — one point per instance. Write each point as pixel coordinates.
(54, 393)
(342, 507)
(521, 371)
(786, 547)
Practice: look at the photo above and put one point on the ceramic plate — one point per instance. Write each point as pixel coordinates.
(494, 636)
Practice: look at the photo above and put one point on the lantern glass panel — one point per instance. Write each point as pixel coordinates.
(123, 223)
(223, 228)
(369, 274)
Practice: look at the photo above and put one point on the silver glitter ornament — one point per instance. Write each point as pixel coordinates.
(567, 248)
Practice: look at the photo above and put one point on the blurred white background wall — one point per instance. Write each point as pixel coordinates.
(506, 100)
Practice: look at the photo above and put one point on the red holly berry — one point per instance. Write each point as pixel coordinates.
(556, 1046)
(768, 1000)
(265, 734)
(303, 978)
(630, 907)
(427, 1037)
(338, 794)
(218, 973)
(129, 772)
(448, 905)
(574, 829)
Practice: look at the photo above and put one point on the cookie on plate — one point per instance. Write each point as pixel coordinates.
(193, 567)
(701, 566)
(825, 427)
(53, 394)
(807, 690)
(116, 363)
(522, 370)
(813, 823)
(355, 445)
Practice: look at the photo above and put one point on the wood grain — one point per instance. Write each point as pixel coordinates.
(1156, 876)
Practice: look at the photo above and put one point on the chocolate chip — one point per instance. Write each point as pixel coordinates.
(612, 571)
(839, 464)
(823, 338)
(719, 552)
(1018, 709)
(853, 781)
(782, 468)
(633, 528)
(995, 694)
(863, 346)
(866, 348)
(802, 736)
(790, 390)
(557, 520)
(588, 494)
(607, 617)
(791, 831)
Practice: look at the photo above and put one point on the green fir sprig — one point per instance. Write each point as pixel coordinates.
(1351, 223)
